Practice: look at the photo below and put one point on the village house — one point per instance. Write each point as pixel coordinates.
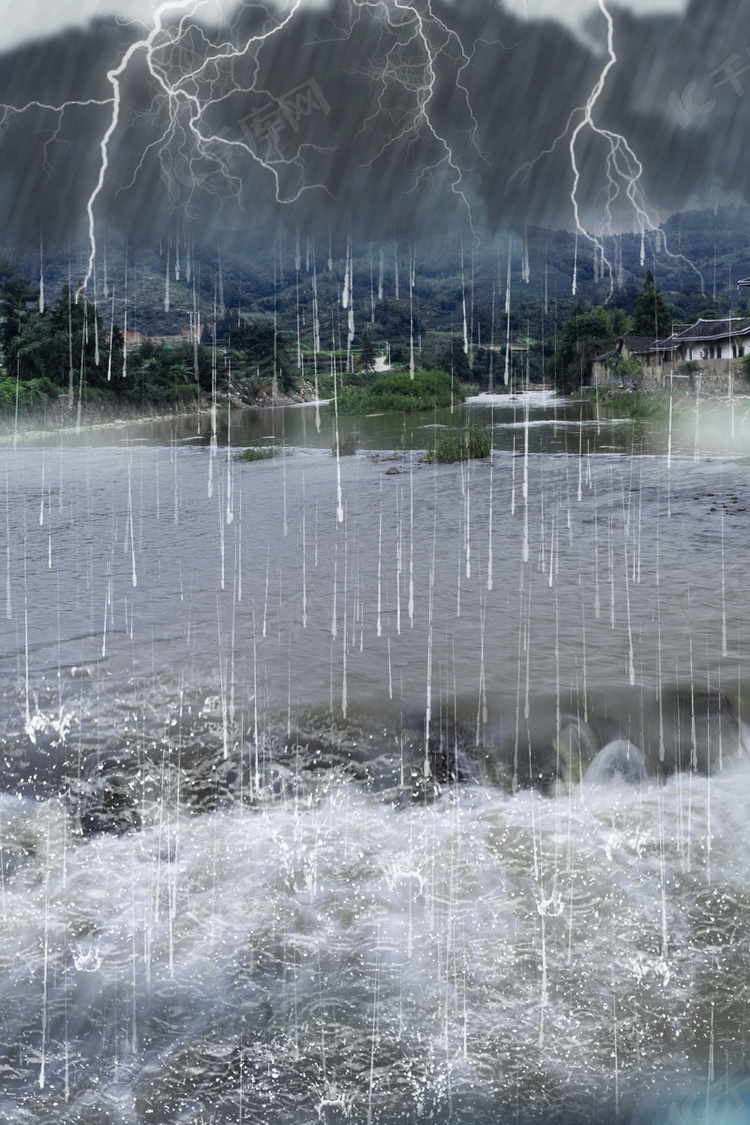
(624, 347)
(705, 339)
(706, 350)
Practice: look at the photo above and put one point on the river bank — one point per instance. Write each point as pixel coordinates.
(92, 419)
(102, 416)
(658, 405)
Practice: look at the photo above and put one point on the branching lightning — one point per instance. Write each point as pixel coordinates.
(434, 38)
(193, 79)
(190, 97)
(622, 167)
(8, 112)
(180, 100)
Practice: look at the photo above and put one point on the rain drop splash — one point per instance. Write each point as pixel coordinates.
(255, 836)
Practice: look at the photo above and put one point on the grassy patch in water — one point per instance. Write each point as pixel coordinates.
(348, 444)
(257, 453)
(472, 441)
(396, 392)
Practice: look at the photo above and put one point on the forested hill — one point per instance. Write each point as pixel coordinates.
(455, 294)
(696, 259)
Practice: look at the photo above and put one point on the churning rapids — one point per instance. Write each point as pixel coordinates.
(373, 790)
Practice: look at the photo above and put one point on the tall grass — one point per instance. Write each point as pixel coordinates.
(469, 442)
(348, 444)
(257, 453)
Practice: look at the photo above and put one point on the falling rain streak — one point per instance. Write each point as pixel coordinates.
(256, 827)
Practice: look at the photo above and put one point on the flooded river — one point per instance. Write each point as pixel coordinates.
(298, 819)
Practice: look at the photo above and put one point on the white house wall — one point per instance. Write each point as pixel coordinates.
(715, 377)
(722, 349)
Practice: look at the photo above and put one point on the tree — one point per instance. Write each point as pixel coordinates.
(625, 370)
(396, 320)
(265, 353)
(164, 372)
(583, 337)
(16, 296)
(652, 317)
(480, 368)
(367, 354)
(59, 343)
(450, 356)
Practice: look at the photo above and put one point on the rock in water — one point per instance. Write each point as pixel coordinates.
(618, 761)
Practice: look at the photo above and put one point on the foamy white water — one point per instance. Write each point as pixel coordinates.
(266, 847)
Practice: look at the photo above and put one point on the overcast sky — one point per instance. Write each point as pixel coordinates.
(352, 143)
(29, 19)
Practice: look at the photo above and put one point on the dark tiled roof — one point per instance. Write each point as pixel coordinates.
(637, 343)
(699, 331)
(628, 340)
(655, 346)
(668, 344)
(693, 333)
(714, 329)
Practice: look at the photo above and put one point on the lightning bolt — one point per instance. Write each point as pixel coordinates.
(192, 76)
(418, 82)
(190, 97)
(622, 166)
(181, 101)
(9, 112)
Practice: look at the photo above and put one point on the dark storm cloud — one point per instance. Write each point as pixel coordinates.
(332, 104)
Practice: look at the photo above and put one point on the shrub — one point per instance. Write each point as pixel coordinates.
(397, 392)
(472, 441)
(162, 373)
(30, 392)
(348, 444)
(257, 453)
(626, 371)
(637, 404)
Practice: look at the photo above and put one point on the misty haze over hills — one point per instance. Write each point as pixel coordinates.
(158, 289)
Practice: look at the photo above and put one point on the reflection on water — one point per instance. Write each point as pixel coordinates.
(295, 823)
(555, 425)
